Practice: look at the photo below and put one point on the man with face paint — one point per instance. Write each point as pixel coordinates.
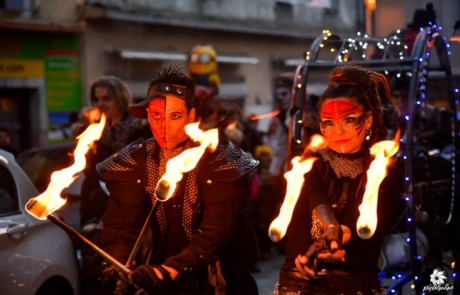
(197, 242)
(324, 253)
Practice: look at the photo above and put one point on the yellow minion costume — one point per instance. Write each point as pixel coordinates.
(202, 66)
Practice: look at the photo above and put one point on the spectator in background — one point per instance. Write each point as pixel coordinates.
(111, 96)
(279, 127)
(252, 136)
(278, 141)
(5, 141)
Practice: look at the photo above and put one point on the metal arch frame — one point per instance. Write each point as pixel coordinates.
(413, 64)
(299, 91)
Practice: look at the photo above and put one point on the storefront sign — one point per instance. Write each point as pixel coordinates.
(17, 68)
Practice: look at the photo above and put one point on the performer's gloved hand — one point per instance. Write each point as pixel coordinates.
(305, 264)
(114, 279)
(337, 255)
(150, 277)
(331, 236)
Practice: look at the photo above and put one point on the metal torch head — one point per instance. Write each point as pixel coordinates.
(163, 190)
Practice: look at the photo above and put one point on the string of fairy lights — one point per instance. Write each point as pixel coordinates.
(394, 49)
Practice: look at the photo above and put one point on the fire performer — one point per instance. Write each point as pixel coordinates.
(325, 255)
(198, 241)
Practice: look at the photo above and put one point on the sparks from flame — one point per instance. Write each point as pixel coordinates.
(50, 200)
(382, 151)
(295, 179)
(187, 160)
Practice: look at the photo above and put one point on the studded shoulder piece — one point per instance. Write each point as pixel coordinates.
(227, 163)
(127, 164)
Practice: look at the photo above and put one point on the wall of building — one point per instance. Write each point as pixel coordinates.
(53, 13)
(266, 14)
(104, 35)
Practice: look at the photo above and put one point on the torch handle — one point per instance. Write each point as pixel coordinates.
(80, 237)
(138, 243)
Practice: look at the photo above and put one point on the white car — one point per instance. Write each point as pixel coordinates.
(36, 256)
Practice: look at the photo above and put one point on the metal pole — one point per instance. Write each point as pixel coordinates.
(138, 243)
(81, 238)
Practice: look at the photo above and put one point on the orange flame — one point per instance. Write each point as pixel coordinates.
(231, 126)
(50, 200)
(93, 115)
(186, 161)
(295, 179)
(383, 151)
(263, 116)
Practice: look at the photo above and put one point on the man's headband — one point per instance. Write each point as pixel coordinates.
(159, 91)
(172, 89)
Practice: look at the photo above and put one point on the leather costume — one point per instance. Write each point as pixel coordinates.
(339, 180)
(200, 224)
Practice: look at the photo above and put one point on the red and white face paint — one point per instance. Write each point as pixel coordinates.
(344, 124)
(168, 117)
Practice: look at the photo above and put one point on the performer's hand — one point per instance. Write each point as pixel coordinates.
(335, 254)
(305, 263)
(122, 284)
(113, 279)
(330, 239)
(331, 230)
(151, 277)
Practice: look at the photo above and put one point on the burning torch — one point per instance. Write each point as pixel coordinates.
(186, 161)
(42, 206)
(295, 179)
(383, 151)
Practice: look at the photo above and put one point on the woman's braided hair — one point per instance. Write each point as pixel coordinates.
(366, 88)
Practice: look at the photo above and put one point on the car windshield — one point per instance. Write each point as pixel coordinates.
(40, 164)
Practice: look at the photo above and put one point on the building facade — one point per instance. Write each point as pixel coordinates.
(254, 40)
(52, 50)
(40, 70)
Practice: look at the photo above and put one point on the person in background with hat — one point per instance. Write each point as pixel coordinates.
(420, 19)
(196, 242)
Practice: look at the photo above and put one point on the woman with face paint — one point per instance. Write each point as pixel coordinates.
(196, 242)
(324, 253)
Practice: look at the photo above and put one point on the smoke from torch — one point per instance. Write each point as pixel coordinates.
(295, 179)
(383, 151)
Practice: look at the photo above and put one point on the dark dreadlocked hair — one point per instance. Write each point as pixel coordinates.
(366, 88)
(175, 75)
